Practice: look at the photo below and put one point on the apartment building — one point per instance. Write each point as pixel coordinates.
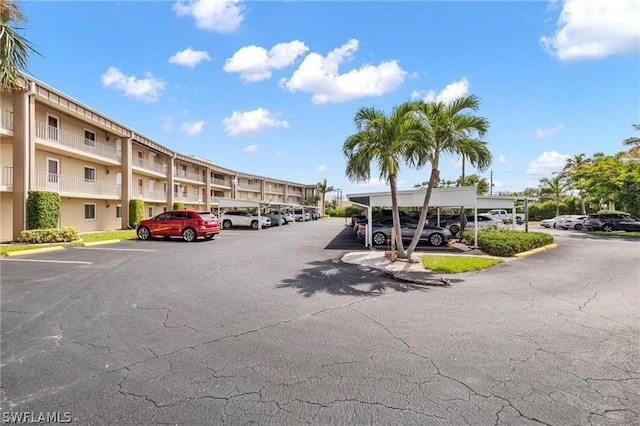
(50, 141)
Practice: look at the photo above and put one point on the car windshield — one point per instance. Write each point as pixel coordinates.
(206, 215)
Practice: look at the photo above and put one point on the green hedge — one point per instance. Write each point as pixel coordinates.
(509, 243)
(178, 205)
(136, 212)
(50, 235)
(43, 209)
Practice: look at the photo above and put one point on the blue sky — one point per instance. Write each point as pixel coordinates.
(271, 87)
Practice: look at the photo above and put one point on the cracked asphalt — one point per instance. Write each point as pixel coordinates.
(270, 327)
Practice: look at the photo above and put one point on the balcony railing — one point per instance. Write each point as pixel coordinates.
(250, 187)
(187, 198)
(221, 182)
(148, 194)
(6, 176)
(71, 140)
(188, 175)
(274, 190)
(6, 119)
(150, 165)
(74, 184)
(297, 192)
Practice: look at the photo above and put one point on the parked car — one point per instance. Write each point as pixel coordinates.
(188, 224)
(434, 235)
(276, 219)
(611, 222)
(505, 216)
(572, 221)
(484, 222)
(301, 215)
(243, 218)
(551, 223)
(286, 216)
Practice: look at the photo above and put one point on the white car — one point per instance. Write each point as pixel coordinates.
(243, 218)
(572, 221)
(484, 221)
(286, 216)
(551, 223)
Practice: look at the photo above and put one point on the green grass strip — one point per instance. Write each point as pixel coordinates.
(457, 264)
(92, 237)
(631, 234)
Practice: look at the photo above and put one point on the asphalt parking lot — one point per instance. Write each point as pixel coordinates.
(269, 327)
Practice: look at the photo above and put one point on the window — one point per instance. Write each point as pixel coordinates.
(90, 138)
(184, 171)
(90, 212)
(89, 175)
(140, 186)
(53, 127)
(151, 211)
(118, 211)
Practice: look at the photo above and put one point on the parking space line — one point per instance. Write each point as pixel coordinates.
(79, 262)
(112, 249)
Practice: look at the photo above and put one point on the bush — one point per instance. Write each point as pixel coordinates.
(178, 205)
(508, 242)
(136, 211)
(43, 209)
(50, 235)
(346, 211)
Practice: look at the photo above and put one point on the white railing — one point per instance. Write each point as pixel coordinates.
(295, 192)
(187, 198)
(188, 175)
(221, 182)
(150, 165)
(252, 187)
(74, 184)
(147, 194)
(6, 176)
(274, 190)
(71, 140)
(6, 119)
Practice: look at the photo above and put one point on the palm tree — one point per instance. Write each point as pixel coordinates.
(450, 129)
(14, 49)
(388, 141)
(633, 142)
(571, 166)
(324, 187)
(555, 187)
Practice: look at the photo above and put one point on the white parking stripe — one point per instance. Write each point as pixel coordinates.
(112, 249)
(48, 261)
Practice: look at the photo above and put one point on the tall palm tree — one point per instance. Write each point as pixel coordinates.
(388, 141)
(14, 49)
(573, 165)
(633, 142)
(450, 129)
(555, 187)
(324, 187)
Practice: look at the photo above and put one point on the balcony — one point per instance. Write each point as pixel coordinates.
(55, 137)
(249, 187)
(188, 198)
(221, 182)
(184, 175)
(295, 192)
(73, 186)
(6, 178)
(148, 194)
(275, 190)
(6, 120)
(150, 166)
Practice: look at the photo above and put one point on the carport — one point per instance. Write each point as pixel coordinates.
(440, 197)
(230, 203)
(293, 207)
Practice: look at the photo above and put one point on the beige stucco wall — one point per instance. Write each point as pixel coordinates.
(6, 216)
(70, 166)
(72, 214)
(6, 151)
(6, 100)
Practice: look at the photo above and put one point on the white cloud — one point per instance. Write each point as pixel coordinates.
(545, 133)
(502, 158)
(167, 122)
(594, 29)
(323, 168)
(189, 57)
(547, 162)
(251, 123)
(250, 148)
(192, 127)
(452, 91)
(320, 76)
(222, 16)
(147, 89)
(254, 63)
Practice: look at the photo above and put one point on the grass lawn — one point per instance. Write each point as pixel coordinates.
(85, 238)
(632, 234)
(456, 264)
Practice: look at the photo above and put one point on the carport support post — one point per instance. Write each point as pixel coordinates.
(526, 214)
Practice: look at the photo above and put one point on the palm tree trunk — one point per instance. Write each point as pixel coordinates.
(395, 213)
(435, 177)
(463, 217)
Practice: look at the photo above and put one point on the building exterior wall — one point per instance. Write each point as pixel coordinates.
(6, 216)
(72, 213)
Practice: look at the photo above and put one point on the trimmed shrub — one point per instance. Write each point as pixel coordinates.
(43, 209)
(51, 235)
(509, 243)
(178, 205)
(341, 211)
(136, 212)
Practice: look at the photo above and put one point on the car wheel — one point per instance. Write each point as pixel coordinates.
(254, 224)
(436, 240)
(607, 227)
(144, 233)
(578, 227)
(188, 234)
(454, 229)
(226, 224)
(379, 238)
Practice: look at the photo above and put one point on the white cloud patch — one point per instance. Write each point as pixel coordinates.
(594, 29)
(192, 127)
(452, 91)
(320, 75)
(545, 133)
(323, 168)
(146, 89)
(502, 158)
(547, 162)
(222, 16)
(189, 58)
(255, 63)
(251, 123)
(250, 148)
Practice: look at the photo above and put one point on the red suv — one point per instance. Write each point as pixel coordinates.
(188, 224)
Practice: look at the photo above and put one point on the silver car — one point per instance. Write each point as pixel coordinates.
(572, 221)
(434, 235)
(551, 223)
(484, 222)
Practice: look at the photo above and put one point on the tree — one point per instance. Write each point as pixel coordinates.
(449, 129)
(572, 165)
(14, 49)
(324, 187)
(481, 184)
(633, 142)
(388, 141)
(554, 187)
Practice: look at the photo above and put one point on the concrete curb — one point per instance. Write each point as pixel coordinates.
(97, 243)
(536, 250)
(31, 251)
